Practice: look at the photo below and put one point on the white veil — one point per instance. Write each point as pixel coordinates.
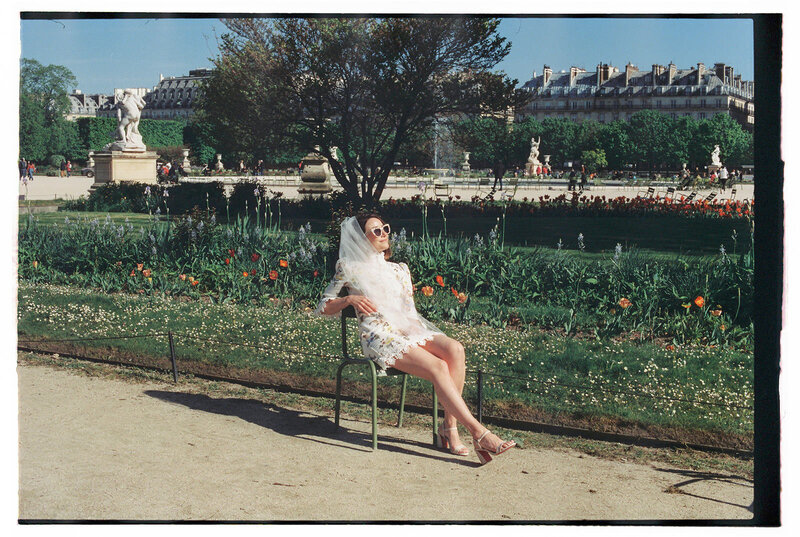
(367, 270)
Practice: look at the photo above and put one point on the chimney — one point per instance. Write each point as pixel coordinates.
(547, 74)
(737, 81)
(672, 71)
(573, 74)
(719, 70)
(657, 70)
(629, 69)
(701, 67)
(729, 75)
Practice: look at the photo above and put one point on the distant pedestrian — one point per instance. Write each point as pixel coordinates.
(723, 177)
(31, 170)
(69, 168)
(583, 179)
(23, 168)
(571, 185)
(63, 168)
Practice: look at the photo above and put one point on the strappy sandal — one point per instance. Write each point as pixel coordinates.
(485, 455)
(443, 442)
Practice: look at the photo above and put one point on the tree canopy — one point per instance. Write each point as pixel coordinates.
(371, 87)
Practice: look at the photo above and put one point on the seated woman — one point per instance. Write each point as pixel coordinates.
(394, 335)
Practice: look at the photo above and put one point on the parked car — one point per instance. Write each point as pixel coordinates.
(88, 171)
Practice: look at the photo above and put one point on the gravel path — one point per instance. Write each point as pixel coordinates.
(99, 448)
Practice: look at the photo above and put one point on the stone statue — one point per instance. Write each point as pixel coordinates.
(129, 111)
(715, 156)
(218, 165)
(533, 158)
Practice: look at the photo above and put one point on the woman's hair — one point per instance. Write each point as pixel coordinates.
(362, 221)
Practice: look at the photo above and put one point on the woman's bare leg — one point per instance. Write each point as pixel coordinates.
(452, 352)
(421, 363)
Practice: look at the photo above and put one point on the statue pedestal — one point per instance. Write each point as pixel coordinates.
(315, 175)
(530, 167)
(116, 166)
(713, 168)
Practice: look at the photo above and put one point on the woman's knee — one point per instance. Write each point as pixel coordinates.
(456, 351)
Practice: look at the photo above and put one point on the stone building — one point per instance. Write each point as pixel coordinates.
(174, 96)
(609, 94)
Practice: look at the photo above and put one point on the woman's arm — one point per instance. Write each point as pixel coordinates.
(331, 304)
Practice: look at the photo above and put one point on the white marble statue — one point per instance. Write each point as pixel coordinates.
(715, 156)
(533, 158)
(129, 111)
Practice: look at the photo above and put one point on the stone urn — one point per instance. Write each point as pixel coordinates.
(218, 166)
(186, 165)
(315, 174)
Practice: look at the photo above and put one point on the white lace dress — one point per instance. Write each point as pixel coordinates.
(380, 341)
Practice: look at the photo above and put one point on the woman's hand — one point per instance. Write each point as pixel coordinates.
(361, 303)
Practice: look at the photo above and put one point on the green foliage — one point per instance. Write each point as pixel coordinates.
(56, 160)
(401, 73)
(199, 136)
(96, 132)
(594, 160)
(629, 292)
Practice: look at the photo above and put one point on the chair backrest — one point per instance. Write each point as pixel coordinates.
(671, 190)
(711, 196)
(650, 191)
(441, 190)
(691, 196)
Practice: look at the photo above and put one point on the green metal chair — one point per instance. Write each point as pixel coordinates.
(350, 312)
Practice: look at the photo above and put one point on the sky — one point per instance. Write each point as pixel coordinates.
(122, 53)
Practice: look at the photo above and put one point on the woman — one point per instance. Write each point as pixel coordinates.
(394, 335)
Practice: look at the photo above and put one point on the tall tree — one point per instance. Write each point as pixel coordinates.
(44, 101)
(366, 86)
(493, 142)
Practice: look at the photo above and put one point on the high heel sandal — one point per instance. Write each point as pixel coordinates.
(443, 442)
(485, 455)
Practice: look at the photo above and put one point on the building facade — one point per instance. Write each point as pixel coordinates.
(610, 94)
(173, 97)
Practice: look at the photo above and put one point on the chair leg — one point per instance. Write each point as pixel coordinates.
(374, 405)
(402, 400)
(435, 416)
(338, 403)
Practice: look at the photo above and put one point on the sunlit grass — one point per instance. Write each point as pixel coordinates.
(555, 374)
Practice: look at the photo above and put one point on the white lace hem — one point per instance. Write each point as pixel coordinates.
(389, 361)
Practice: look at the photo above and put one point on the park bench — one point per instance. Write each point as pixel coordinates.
(350, 313)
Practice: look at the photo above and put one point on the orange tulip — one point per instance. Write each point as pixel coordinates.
(146, 273)
(35, 264)
(283, 263)
(699, 302)
(133, 273)
(722, 327)
(716, 313)
(244, 274)
(273, 274)
(316, 273)
(191, 279)
(227, 260)
(440, 280)
(462, 297)
(453, 290)
(670, 347)
(182, 276)
(624, 302)
(427, 290)
(196, 282)
(139, 266)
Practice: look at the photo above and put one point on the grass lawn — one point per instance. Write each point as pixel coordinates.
(592, 380)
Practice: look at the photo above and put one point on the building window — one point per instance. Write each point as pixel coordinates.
(701, 115)
(658, 103)
(719, 103)
(601, 118)
(702, 103)
(673, 103)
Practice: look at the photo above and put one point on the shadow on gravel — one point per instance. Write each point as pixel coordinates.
(694, 476)
(300, 424)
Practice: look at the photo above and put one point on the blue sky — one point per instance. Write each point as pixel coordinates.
(119, 53)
